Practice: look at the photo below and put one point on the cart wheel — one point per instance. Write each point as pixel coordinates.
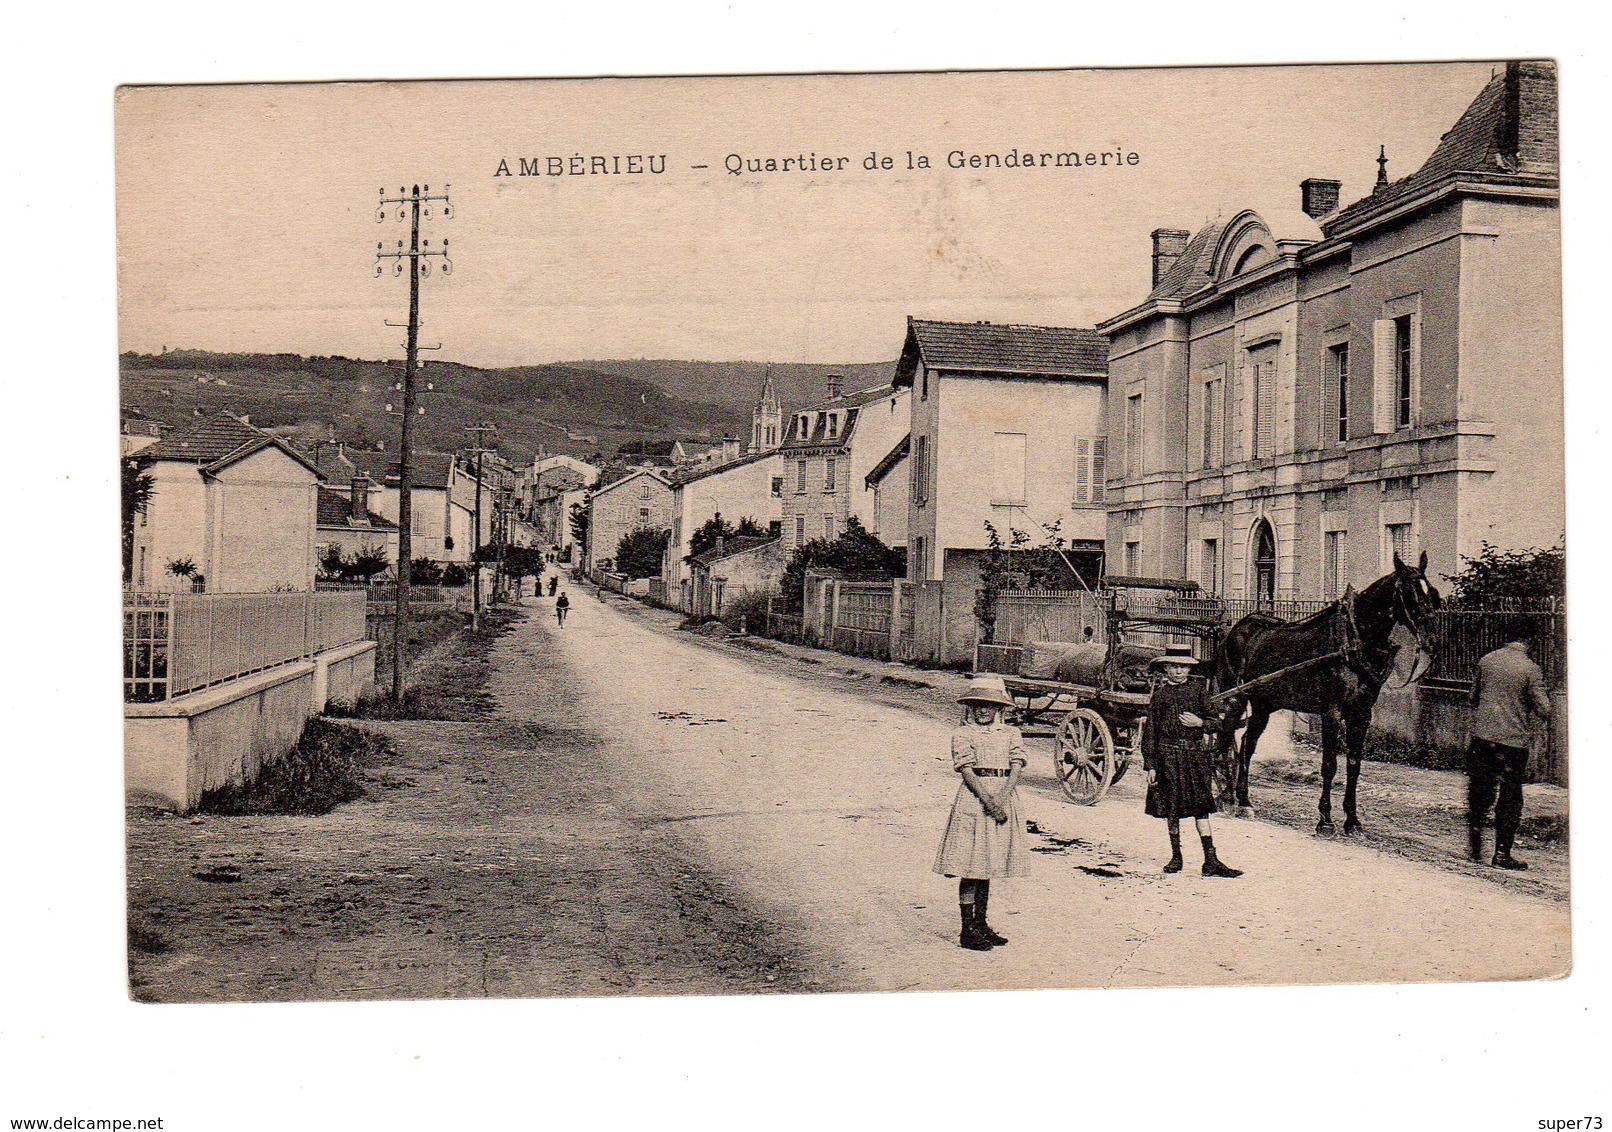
(1134, 752)
(1084, 754)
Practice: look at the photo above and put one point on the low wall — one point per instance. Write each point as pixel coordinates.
(175, 751)
(1439, 717)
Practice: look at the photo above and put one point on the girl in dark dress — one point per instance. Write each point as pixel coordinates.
(1179, 776)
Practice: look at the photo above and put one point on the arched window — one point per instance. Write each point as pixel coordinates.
(1263, 565)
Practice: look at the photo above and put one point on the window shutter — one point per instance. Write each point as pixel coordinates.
(1265, 390)
(1382, 375)
(1082, 470)
(1416, 366)
(1099, 469)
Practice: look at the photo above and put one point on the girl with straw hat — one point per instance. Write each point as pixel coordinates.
(985, 833)
(1180, 782)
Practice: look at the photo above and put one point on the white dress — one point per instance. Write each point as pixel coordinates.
(975, 845)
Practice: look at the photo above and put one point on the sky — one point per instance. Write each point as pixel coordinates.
(246, 214)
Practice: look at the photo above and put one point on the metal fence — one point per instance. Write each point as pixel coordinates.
(178, 643)
(1459, 638)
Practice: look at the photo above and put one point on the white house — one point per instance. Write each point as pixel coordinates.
(238, 504)
(828, 450)
(747, 488)
(1007, 428)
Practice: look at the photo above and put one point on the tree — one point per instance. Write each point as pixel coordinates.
(366, 564)
(1016, 564)
(581, 513)
(717, 527)
(425, 572)
(137, 493)
(639, 553)
(1494, 575)
(857, 553)
(523, 562)
(332, 566)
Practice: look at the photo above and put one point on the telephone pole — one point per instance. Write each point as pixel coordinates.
(475, 551)
(407, 207)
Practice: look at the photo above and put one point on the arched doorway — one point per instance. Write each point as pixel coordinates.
(1264, 563)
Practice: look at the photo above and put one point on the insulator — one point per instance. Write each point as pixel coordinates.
(398, 269)
(447, 267)
(425, 268)
(389, 406)
(447, 212)
(380, 215)
(380, 270)
(420, 410)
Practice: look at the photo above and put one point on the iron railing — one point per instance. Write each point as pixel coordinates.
(178, 643)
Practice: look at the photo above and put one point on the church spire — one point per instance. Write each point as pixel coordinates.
(767, 419)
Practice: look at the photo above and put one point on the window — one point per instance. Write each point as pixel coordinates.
(923, 382)
(1264, 403)
(1009, 468)
(1090, 470)
(1133, 559)
(1398, 539)
(643, 514)
(777, 486)
(920, 471)
(1338, 365)
(833, 424)
(1209, 565)
(1402, 371)
(1396, 365)
(828, 472)
(1213, 449)
(828, 528)
(918, 571)
(140, 578)
(1334, 564)
(800, 477)
(1133, 435)
(800, 530)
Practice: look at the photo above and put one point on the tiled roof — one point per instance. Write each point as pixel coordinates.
(851, 405)
(985, 347)
(736, 545)
(217, 441)
(891, 459)
(717, 469)
(1509, 130)
(336, 510)
(652, 473)
(1192, 269)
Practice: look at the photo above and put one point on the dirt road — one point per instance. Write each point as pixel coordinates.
(644, 814)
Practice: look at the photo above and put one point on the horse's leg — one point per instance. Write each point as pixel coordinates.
(1331, 741)
(1355, 728)
(1226, 747)
(1258, 716)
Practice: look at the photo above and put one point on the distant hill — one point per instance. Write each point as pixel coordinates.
(569, 409)
(736, 385)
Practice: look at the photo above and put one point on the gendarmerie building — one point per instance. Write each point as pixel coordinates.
(1305, 393)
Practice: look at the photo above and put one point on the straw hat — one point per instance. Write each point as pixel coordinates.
(1175, 654)
(986, 690)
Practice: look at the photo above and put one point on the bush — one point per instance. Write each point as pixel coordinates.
(453, 574)
(1496, 576)
(856, 553)
(748, 611)
(321, 772)
(425, 572)
(639, 553)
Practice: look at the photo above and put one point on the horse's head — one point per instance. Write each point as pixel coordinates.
(1415, 598)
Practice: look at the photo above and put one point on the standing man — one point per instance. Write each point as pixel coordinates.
(1508, 691)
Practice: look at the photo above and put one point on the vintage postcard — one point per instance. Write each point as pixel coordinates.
(763, 535)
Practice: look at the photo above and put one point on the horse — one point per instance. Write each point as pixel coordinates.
(1340, 658)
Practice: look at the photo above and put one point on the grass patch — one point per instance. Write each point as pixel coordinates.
(1384, 748)
(450, 685)
(321, 772)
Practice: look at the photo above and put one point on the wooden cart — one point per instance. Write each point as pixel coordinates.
(1097, 727)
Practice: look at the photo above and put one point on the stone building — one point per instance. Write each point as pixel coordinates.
(640, 500)
(828, 450)
(1305, 393)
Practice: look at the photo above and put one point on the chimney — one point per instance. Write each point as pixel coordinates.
(359, 498)
(1318, 196)
(1168, 244)
(836, 386)
(730, 449)
(721, 545)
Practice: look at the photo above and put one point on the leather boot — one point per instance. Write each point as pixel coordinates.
(982, 906)
(1213, 866)
(1474, 840)
(1502, 855)
(972, 938)
(1174, 864)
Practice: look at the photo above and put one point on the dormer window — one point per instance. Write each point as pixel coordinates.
(833, 424)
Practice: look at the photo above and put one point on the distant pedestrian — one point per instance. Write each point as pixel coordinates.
(561, 608)
(554, 584)
(985, 832)
(1180, 782)
(1508, 692)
